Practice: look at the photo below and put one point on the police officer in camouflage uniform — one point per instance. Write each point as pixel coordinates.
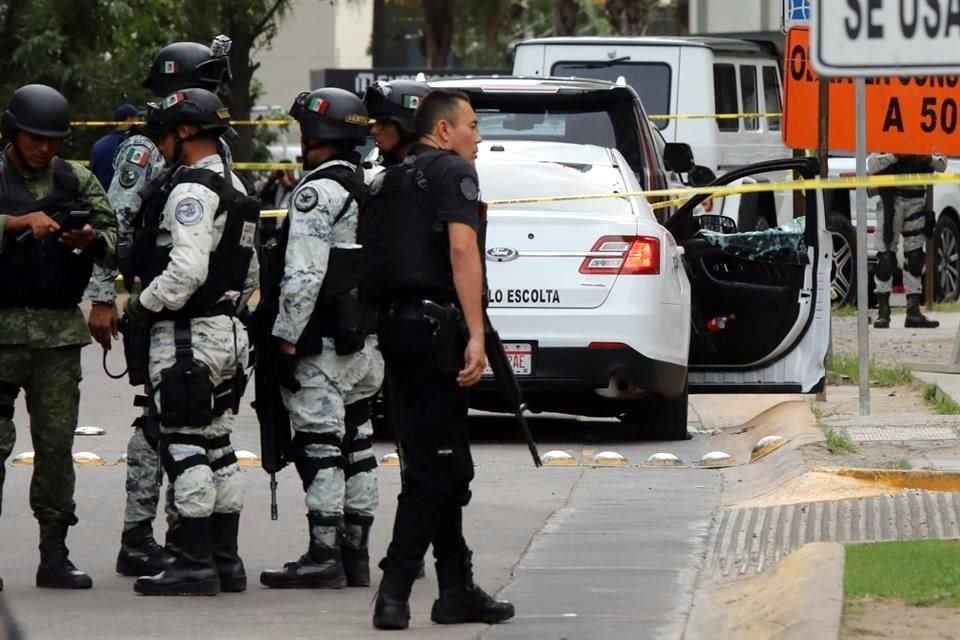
(332, 364)
(194, 252)
(903, 214)
(138, 162)
(46, 257)
(392, 106)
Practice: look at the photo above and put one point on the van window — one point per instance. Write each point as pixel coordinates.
(651, 81)
(725, 95)
(594, 127)
(771, 96)
(749, 98)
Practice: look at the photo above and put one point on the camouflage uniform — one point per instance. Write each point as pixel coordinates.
(136, 163)
(43, 345)
(220, 342)
(329, 383)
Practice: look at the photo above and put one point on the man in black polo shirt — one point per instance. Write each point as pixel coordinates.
(431, 253)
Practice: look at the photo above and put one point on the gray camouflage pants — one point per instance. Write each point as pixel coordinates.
(209, 482)
(908, 222)
(329, 383)
(143, 491)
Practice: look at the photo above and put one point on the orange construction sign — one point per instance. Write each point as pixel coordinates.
(904, 114)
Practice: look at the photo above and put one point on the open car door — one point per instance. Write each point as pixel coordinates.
(760, 304)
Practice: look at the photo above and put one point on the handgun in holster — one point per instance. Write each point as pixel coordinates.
(187, 388)
(449, 335)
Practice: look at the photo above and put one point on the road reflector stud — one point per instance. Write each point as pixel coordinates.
(24, 458)
(765, 446)
(716, 459)
(89, 431)
(123, 459)
(390, 460)
(609, 459)
(247, 458)
(558, 458)
(86, 458)
(663, 459)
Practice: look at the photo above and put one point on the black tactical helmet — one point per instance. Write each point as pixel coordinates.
(331, 114)
(37, 109)
(189, 106)
(395, 101)
(184, 65)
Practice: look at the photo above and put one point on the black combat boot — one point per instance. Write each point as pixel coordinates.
(55, 570)
(321, 567)
(140, 555)
(193, 572)
(915, 319)
(233, 577)
(883, 311)
(392, 608)
(461, 600)
(356, 557)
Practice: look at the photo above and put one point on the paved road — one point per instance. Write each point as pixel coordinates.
(583, 552)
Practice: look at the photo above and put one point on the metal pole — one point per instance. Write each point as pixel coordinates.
(863, 338)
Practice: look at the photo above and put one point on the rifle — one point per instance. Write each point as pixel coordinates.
(447, 318)
(68, 219)
(271, 413)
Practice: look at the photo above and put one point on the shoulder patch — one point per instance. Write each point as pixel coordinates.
(189, 211)
(128, 177)
(469, 188)
(307, 198)
(138, 156)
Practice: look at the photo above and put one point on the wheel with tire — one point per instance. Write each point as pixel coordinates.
(843, 273)
(660, 418)
(947, 252)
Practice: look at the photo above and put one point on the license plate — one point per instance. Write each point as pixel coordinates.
(520, 356)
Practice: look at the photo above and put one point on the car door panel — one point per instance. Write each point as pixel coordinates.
(774, 303)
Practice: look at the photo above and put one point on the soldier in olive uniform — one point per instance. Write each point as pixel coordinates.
(56, 223)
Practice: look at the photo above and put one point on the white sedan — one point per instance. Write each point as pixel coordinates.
(603, 311)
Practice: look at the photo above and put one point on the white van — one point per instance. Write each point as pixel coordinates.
(698, 76)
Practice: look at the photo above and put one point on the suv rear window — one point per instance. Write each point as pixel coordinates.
(591, 127)
(651, 81)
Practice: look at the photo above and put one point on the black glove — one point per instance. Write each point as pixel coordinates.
(286, 365)
(136, 310)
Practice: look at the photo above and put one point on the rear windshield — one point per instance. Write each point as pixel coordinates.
(598, 118)
(651, 81)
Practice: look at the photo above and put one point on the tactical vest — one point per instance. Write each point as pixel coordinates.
(405, 246)
(229, 261)
(44, 273)
(337, 311)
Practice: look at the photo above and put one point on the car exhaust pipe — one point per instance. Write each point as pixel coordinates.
(620, 386)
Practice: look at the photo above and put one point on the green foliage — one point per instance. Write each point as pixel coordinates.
(881, 375)
(839, 443)
(919, 572)
(940, 402)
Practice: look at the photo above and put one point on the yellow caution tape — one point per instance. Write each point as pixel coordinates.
(273, 213)
(265, 166)
(902, 180)
(712, 116)
(236, 123)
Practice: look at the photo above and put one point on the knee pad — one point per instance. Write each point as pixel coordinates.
(356, 413)
(915, 261)
(308, 466)
(886, 265)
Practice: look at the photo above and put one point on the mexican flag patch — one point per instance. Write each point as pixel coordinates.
(138, 157)
(410, 102)
(170, 66)
(172, 99)
(318, 105)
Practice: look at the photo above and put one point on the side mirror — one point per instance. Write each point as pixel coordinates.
(700, 176)
(715, 223)
(678, 156)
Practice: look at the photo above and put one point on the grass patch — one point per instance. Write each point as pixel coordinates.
(881, 375)
(947, 306)
(846, 311)
(839, 443)
(821, 412)
(942, 404)
(899, 465)
(919, 572)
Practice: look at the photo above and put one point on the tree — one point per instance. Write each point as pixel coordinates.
(437, 32)
(565, 15)
(629, 17)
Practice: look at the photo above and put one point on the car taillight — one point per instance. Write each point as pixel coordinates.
(629, 255)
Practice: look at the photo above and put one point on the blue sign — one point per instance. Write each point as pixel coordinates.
(798, 10)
